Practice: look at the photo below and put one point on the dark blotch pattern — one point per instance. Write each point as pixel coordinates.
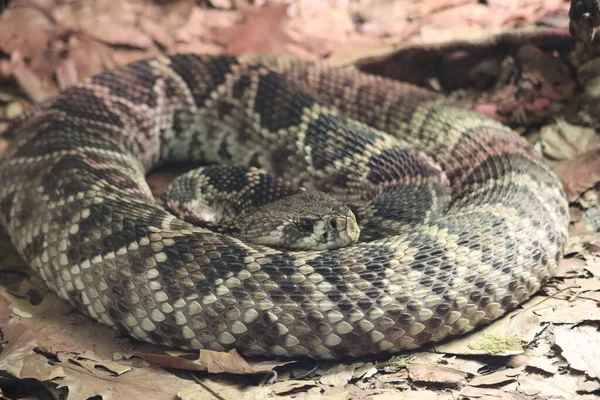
(277, 105)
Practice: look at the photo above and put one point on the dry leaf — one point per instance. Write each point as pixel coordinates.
(91, 362)
(116, 34)
(30, 297)
(66, 74)
(321, 393)
(35, 366)
(283, 387)
(338, 375)
(579, 286)
(437, 374)
(158, 33)
(232, 362)
(211, 388)
(470, 366)
(564, 141)
(575, 148)
(78, 372)
(206, 360)
(425, 357)
(149, 383)
(567, 267)
(561, 386)
(570, 313)
(589, 386)
(36, 89)
(472, 392)
(580, 347)
(262, 32)
(365, 371)
(580, 174)
(28, 42)
(542, 363)
(498, 377)
(411, 395)
(396, 377)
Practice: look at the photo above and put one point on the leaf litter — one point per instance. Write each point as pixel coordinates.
(537, 82)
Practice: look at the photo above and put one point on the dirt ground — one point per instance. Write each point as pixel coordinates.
(512, 60)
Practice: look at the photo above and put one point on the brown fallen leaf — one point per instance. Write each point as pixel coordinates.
(437, 374)
(66, 73)
(498, 377)
(425, 357)
(36, 366)
(400, 376)
(592, 262)
(574, 151)
(262, 32)
(472, 392)
(579, 286)
(30, 41)
(36, 89)
(215, 389)
(567, 267)
(281, 388)
(60, 356)
(18, 353)
(157, 32)
(410, 395)
(589, 386)
(89, 57)
(149, 383)
(365, 371)
(91, 362)
(470, 366)
(559, 386)
(29, 297)
(580, 347)
(21, 338)
(543, 363)
(570, 313)
(329, 393)
(206, 360)
(563, 141)
(580, 174)
(337, 375)
(107, 31)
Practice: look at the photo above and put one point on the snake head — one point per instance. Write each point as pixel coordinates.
(304, 221)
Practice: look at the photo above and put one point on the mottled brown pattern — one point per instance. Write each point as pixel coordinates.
(75, 204)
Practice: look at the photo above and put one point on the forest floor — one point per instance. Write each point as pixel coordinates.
(512, 60)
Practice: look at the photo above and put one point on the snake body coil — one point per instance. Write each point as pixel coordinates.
(76, 205)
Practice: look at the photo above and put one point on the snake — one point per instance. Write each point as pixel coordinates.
(256, 206)
(460, 218)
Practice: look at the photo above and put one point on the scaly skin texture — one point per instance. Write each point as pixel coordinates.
(255, 206)
(76, 206)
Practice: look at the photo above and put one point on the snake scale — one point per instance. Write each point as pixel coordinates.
(76, 205)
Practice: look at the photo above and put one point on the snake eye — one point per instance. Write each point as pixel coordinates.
(305, 224)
